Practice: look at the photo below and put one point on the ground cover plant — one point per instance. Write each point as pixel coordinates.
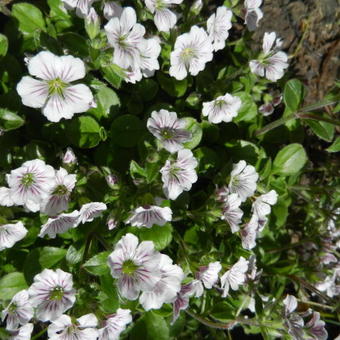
(161, 176)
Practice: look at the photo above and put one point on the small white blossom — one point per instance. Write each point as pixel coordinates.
(59, 225)
(124, 35)
(82, 7)
(90, 211)
(148, 215)
(22, 333)
(166, 288)
(54, 93)
(59, 194)
(182, 299)
(249, 233)
(218, 26)
(52, 294)
(69, 157)
(164, 19)
(316, 327)
(30, 184)
(11, 234)
(115, 324)
(235, 276)
(84, 328)
(136, 266)
(192, 51)
(209, 274)
(5, 197)
(232, 212)
(169, 129)
(262, 205)
(243, 180)
(18, 312)
(178, 176)
(253, 13)
(271, 64)
(290, 303)
(149, 50)
(112, 9)
(222, 109)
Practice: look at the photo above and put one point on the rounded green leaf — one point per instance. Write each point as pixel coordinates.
(196, 132)
(49, 256)
(290, 160)
(248, 108)
(3, 45)
(293, 94)
(97, 264)
(30, 18)
(11, 284)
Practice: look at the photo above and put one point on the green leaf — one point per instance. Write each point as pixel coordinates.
(223, 311)
(161, 236)
(49, 256)
(335, 147)
(106, 98)
(290, 160)
(173, 87)
(97, 264)
(11, 284)
(74, 255)
(108, 297)
(248, 109)
(196, 132)
(151, 326)
(10, 120)
(30, 18)
(293, 94)
(75, 43)
(322, 129)
(114, 75)
(126, 131)
(3, 45)
(135, 168)
(83, 132)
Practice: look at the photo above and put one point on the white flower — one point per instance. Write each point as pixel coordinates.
(192, 51)
(164, 19)
(262, 205)
(124, 35)
(166, 288)
(59, 193)
(222, 109)
(235, 276)
(266, 109)
(243, 180)
(232, 212)
(218, 26)
(60, 224)
(18, 312)
(209, 274)
(90, 211)
(11, 234)
(249, 233)
(69, 157)
(169, 129)
(178, 176)
(84, 328)
(22, 333)
(5, 197)
(271, 64)
(136, 266)
(82, 7)
(112, 9)
(111, 223)
(30, 184)
(52, 294)
(115, 324)
(55, 94)
(149, 50)
(148, 215)
(253, 13)
(182, 300)
(290, 303)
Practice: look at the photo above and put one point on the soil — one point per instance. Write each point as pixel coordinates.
(310, 31)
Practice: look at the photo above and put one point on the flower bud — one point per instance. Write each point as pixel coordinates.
(112, 9)
(69, 157)
(92, 24)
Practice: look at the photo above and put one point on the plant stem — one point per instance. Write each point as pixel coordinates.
(38, 335)
(315, 304)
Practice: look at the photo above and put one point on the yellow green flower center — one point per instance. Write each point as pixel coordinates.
(129, 267)
(187, 53)
(27, 180)
(56, 86)
(60, 190)
(167, 133)
(57, 293)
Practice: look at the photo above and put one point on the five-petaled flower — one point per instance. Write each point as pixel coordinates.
(53, 92)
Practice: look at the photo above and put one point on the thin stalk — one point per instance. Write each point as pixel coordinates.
(319, 118)
(315, 304)
(38, 335)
